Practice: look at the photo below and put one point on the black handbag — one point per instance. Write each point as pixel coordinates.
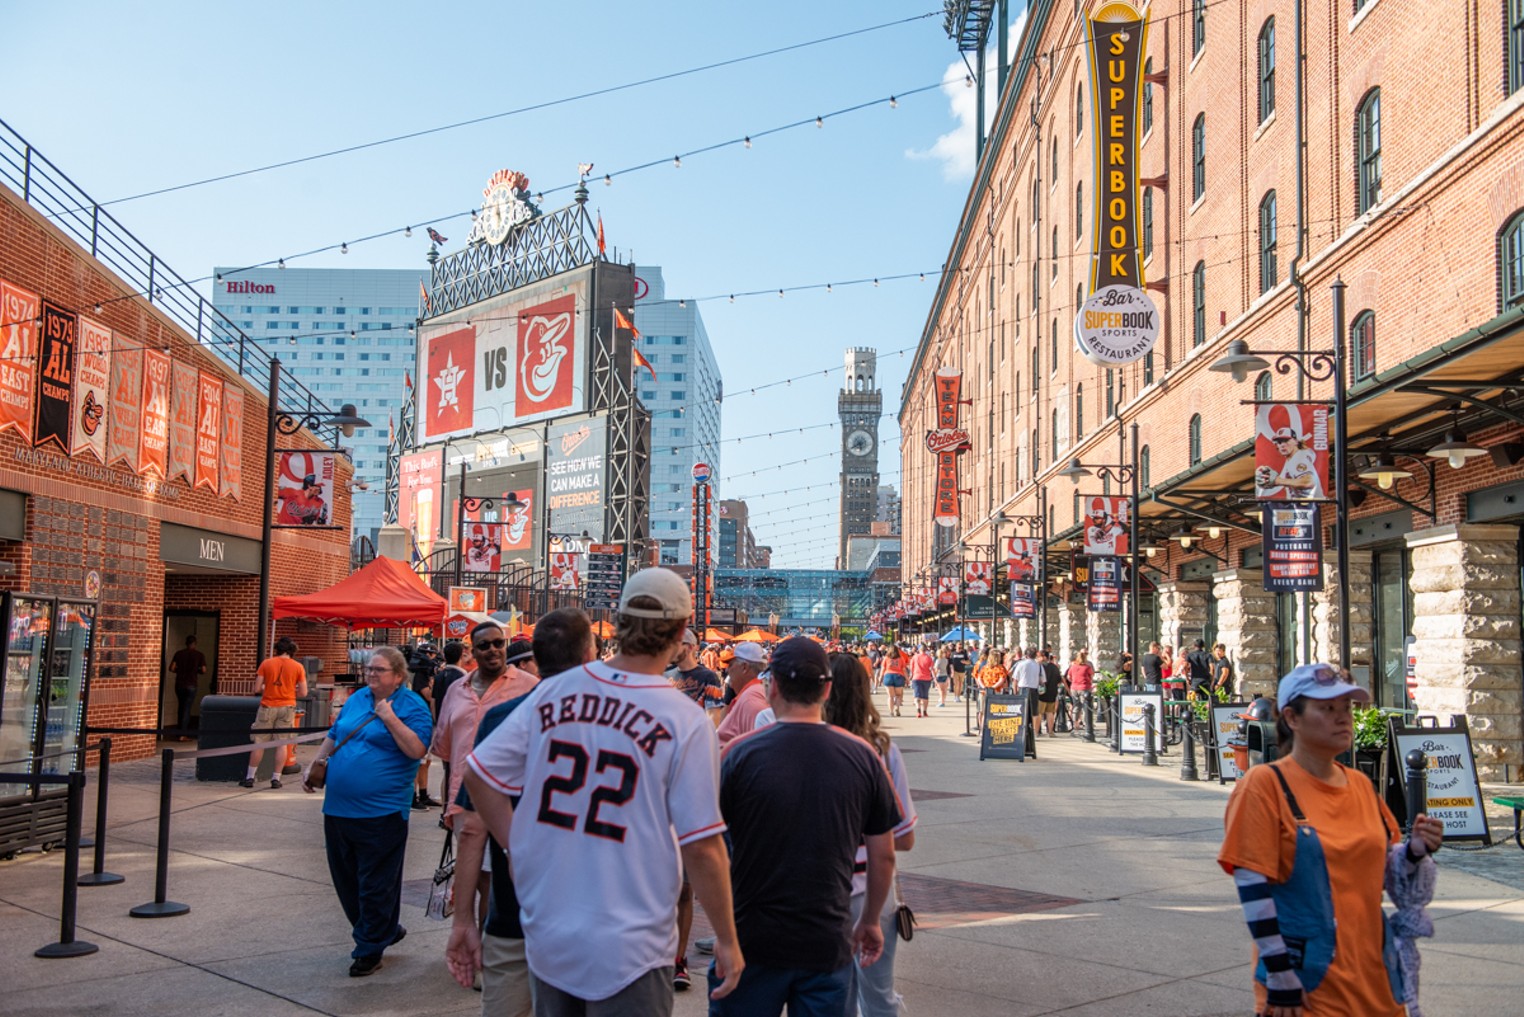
(904, 918)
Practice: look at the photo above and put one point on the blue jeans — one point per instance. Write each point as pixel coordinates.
(365, 861)
(871, 991)
(765, 991)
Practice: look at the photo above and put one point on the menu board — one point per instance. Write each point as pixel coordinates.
(1453, 793)
(1225, 721)
(1003, 734)
(605, 577)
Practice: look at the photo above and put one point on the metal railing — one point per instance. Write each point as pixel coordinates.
(48, 189)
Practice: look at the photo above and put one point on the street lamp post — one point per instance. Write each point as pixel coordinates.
(1122, 474)
(280, 422)
(1037, 527)
(1315, 365)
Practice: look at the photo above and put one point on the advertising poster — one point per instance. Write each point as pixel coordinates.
(1131, 706)
(420, 477)
(208, 431)
(1106, 525)
(126, 402)
(1292, 538)
(55, 378)
(153, 446)
(1225, 721)
(1023, 559)
(1105, 584)
(947, 590)
(484, 547)
(18, 357)
(574, 476)
(184, 388)
(518, 524)
(1003, 735)
(978, 578)
(1023, 600)
(304, 488)
(92, 387)
(1450, 771)
(1291, 452)
(232, 441)
(565, 569)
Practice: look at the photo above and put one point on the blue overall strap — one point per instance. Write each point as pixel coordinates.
(1296, 810)
(1303, 906)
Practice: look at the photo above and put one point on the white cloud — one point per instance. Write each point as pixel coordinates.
(955, 149)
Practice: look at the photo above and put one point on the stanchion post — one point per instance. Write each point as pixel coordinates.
(1065, 702)
(1418, 786)
(968, 731)
(160, 907)
(67, 945)
(1150, 758)
(1089, 716)
(1188, 749)
(98, 876)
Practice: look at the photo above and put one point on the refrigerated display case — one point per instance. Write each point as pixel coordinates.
(43, 701)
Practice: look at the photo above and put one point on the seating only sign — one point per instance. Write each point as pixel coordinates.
(1131, 705)
(1004, 735)
(1225, 721)
(1450, 770)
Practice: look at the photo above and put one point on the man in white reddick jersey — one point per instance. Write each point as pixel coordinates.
(617, 775)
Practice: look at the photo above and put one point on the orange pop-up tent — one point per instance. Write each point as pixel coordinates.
(384, 594)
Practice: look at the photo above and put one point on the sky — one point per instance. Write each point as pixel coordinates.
(133, 98)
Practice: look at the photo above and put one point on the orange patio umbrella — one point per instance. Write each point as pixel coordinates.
(757, 636)
(603, 629)
(714, 635)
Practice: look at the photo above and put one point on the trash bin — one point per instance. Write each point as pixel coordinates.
(320, 709)
(225, 721)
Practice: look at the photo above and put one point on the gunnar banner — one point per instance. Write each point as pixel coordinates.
(1291, 452)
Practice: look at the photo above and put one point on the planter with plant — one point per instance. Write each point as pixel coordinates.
(1106, 684)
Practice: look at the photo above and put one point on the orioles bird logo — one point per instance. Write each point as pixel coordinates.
(91, 414)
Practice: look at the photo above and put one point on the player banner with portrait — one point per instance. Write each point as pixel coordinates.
(564, 571)
(304, 488)
(1023, 559)
(1106, 523)
(1291, 452)
(1293, 544)
(978, 578)
(484, 547)
(947, 590)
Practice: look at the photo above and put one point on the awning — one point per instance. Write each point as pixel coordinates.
(384, 594)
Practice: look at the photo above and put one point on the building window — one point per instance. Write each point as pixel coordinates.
(1036, 454)
(1079, 412)
(1054, 147)
(1368, 152)
(1055, 252)
(1111, 392)
(1148, 95)
(1198, 157)
(1079, 210)
(1362, 339)
(1196, 439)
(1143, 466)
(1053, 346)
(1035, 362)
(1148, 223)
(1148, 368)
(1511, 263)
(1267, 269)
(1198, 26)
(1198, 304)
(1515, 45)
(1055, 433)
(1263, 387)
(1079, 110)
(1267, 69)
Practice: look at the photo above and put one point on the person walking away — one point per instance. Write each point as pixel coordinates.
(563, 639)
(1047, 697)
(372, 753)
(922, 668)
(799, 796)
(942, 674)
(1222, 672)
(1309, 845)
(1201, 669)
(280, 680)
(701, 685)
(1177, 677)
(1081, 679)
(750, 699)
(187, 665)
(1153, 666)
(892, 670)
(1028, 677)
(596, 859)
(958, 664)
(850, 707)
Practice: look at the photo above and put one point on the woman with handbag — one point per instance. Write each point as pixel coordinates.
(850, 707)
(1310, 845)
(367, 765)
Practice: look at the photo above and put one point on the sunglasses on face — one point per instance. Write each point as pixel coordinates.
(490, 644)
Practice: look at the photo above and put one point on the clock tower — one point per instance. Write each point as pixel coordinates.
(859, 405)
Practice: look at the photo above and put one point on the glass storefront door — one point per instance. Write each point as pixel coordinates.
(27, 624)
(1394, 622)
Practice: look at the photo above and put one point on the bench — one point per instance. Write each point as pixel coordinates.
(1517, 805)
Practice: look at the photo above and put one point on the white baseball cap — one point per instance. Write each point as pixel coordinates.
(752, 653)
(662, 585)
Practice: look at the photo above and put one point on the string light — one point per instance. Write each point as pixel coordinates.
(280, 263)
(408, 232)
(677, 162)
(608, 181)
(894, 103)
(344, 247)
(746, 141)
(819, 122)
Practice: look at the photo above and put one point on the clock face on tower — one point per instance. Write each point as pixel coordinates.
(859, 442)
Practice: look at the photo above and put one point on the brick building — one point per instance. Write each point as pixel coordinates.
(1411, 192)
(161, 557)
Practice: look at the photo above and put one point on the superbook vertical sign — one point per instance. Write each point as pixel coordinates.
(1118, 322)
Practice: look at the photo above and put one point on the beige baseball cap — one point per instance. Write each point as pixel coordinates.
(662, 585)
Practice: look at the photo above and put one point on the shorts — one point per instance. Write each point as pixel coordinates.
(1043, 706)
(272, 716)
(922, 688)
(941, 679)
(894, 681)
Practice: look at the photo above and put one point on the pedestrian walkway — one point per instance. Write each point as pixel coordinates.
(1079, 883)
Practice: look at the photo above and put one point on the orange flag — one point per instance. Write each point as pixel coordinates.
(626, 324)
(602, 245)
(641, 361)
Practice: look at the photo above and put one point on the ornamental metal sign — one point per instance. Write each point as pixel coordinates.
(1118, 322)
(947, 441)
(505, 205)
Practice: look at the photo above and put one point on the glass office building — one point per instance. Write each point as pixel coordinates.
(801, 598)
(347, 334)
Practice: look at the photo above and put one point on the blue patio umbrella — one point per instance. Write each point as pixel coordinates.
(961, 634)
(873, 634)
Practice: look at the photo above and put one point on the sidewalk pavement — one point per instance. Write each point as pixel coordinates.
(1080, 883)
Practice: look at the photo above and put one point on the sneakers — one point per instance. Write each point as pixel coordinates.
(429, 802)
(246, 782)
(680, 980)
(419, 803)
(365, 966)
(275, 784)
(400, 936)
(705, 945)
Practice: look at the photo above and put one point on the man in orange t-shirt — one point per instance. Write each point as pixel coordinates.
(279, 681)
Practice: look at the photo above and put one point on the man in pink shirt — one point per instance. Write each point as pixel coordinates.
(745, 670)
(921, 667)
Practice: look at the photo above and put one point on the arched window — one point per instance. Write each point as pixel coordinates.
(1198, 304)
(1079, 110)
(1368, 152)
(1004, 264)
(1111, 392)
(1198, 26)
(1055, 252)
(1267, 69)
(1143, 466)
(1511, 263)
(1079, 297)
(1515, 45)
(1036, 453)
(1263, 387)
(1056, 448)
(1148, 223)
(1035, 193)
(1079, 412)
(1079, 210)
(1036, 361)
(1148, 95)
(1196, 439)
(1362, 341)
(1198, 157)
(1053, 346)
(1267, 268)
(1055, 158)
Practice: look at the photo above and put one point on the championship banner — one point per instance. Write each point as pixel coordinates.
(186, 386)
(232, 441)
(1105, 585)
(946, 442)
(55, 378)
(563, 571)
(1292, 533)
(18, 358)
(92, 386)
(1023, 600)
(1118, 322)
(518, 524)
(126, 403)
(1023, 559)
(1291, 452)
(208, 431)
(483, 547)
(947, 590)
(978, 578)
(304, 488)
(1106, 525)
(153, 444)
